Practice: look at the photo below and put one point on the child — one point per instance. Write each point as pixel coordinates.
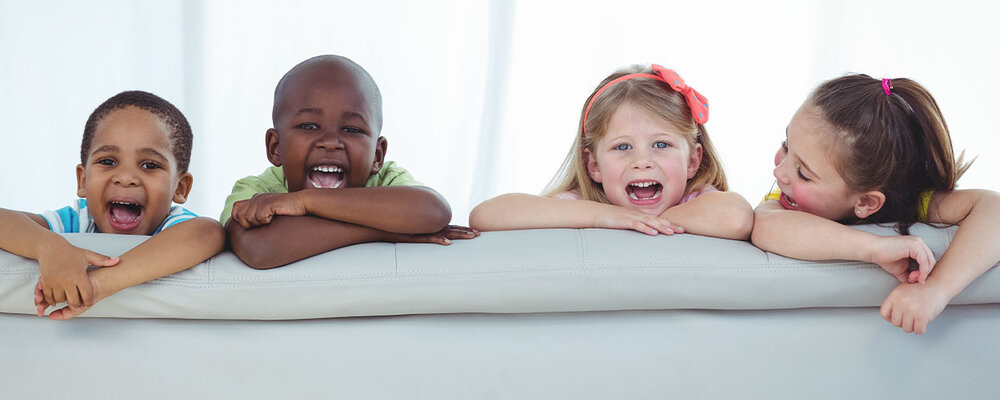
(327, 117)
(861, 150)
(134, 160)
(641, 160)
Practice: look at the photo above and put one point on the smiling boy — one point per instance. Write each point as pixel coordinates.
(134, 160)
(330, 186)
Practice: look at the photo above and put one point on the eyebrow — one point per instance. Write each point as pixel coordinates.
(151, 151)
(114, 149)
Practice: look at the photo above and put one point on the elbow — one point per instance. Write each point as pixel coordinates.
(477, 219)
(761, 224)
(741, 225)
(253, 253)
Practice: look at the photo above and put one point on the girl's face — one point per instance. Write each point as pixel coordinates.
(805, 171)
(642, 161)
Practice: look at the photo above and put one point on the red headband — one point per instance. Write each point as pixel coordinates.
(697, 102)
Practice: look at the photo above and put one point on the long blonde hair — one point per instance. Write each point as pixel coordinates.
(657, 99)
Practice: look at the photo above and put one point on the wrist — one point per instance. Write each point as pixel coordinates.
(53, 243)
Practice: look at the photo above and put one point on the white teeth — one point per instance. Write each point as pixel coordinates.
(643, 184)
(335, 186)
(327, 169)
(124, 203)
(655, 196)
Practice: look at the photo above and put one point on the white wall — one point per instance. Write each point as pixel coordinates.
(481, 98)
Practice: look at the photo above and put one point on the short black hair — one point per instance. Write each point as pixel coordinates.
(180, 136)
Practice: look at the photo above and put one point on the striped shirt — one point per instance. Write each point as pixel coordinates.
(77, 219)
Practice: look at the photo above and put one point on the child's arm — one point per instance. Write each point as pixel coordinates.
(399, 209)
(174, 249)
(291, 238)
(63, 267)
(972, 252)
(719, 214)
(525, 211)
(806, 236)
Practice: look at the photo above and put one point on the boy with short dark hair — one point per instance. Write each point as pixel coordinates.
(330, 186)
(133, 165)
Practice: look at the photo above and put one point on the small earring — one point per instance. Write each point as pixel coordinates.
(857, 212)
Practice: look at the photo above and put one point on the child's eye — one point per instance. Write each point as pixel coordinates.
(106, 161)
(149, 165)
(661, 145)
(623, 147)
(784, 146)
(309, 126)
(798, 170)
(351, 129)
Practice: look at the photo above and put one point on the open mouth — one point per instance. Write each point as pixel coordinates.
(644, 191)
(787, 202)
(124, 215)
(326, 177)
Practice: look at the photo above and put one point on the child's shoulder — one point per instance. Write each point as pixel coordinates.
(391, 174)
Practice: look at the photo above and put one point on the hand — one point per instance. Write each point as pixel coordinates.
(912, 307)
(68, 311)
(262, 207)
(443, 237)
(616, 217)
(64, 275)
(894, 255)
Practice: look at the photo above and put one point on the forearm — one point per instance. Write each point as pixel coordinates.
(400, 209)
(525, 211)
(805, 236)
(23, 234)
(973, 250)
(718, 214)
(175, 249)
(291, 238)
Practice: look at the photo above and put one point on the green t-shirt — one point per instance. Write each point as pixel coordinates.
(273, 181)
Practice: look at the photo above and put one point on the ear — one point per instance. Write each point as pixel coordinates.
(869, 203)
(593, 169)
(381, 145)
(81, 181)
(271, 141)
(694, 160)
(183, 188)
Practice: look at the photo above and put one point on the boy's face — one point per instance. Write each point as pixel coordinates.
(326, 133)
(131, 177)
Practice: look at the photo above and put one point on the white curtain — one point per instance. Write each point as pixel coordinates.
(480, 97)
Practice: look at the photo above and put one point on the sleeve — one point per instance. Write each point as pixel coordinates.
(66, 219)
(392, 175)
(924, 206)
(177, 214)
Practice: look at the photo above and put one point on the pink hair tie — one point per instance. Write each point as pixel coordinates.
(695, 101)
(887, 86)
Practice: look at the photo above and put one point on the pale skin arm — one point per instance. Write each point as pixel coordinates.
(972, 252)
(63, 267)
(175, 249)
(399, 209)
(714, 214)
(797, 234)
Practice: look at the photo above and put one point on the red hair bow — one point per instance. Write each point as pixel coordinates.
(696, 101)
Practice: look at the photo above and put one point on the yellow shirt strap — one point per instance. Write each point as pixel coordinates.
(924, 205)
(774, 194)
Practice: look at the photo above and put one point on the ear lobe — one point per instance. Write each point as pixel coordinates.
(694, 160)
(381, 145)
(81, 181)
(593, 169)
(183, 188)
(271, 143)
(869, 203)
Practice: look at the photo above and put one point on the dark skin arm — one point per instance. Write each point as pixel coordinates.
(287, 239)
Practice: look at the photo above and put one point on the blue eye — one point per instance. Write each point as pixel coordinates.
(623, 147)
(661, 145)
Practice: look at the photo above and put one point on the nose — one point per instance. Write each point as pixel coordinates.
(641, 160)
(330, 140)
(126, 176)
(780, 174)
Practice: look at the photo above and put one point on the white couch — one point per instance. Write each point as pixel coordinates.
(524, 314)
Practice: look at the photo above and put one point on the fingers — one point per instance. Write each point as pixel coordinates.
(652, 226)
(40, 303)
(920, 326)
(49, 296)
(73, 297)
(925, 261)
(65, 313)
(459, 232)
(886, 310)
(100, 260)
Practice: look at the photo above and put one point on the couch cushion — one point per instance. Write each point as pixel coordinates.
(500, 272)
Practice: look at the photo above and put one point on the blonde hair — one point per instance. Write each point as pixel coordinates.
(657, 99)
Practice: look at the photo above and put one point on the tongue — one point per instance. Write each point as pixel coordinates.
(645, 192)
(124, 214)
(325, 179)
